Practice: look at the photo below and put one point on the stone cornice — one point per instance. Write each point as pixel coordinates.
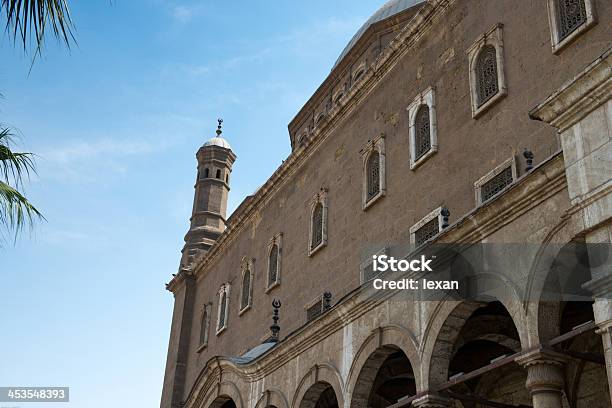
(528, 192)
(579, 96)
(418, 26)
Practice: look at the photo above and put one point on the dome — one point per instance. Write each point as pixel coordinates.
(218, 141)
(389, 9)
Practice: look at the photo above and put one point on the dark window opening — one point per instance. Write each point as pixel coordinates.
(273, 268)
(246, 289)
(206, 173)
(218, 173)
(373, 174)
(422, 132)
(317, 226)
(496, 184)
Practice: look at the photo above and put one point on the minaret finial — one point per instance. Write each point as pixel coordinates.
(219, 131)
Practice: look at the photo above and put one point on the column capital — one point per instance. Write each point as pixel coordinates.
(545, 370)
(431, 401)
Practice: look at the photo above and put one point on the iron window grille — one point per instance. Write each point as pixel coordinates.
(373, 170)
(486, 74)
(422, 142)
(273, 265)
(314, 311)
(427, 231)
(571, 15)
(222, 310)
(317, 226)
(496, 184)
(245, 299)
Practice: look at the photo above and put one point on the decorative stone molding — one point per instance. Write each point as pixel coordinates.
(375, 145)
(494, 38)
(511, 162)
(425, 98)
(556, 41)
(319, 198)
(278, 241)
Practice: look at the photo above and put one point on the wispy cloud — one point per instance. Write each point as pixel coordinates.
(185, 14)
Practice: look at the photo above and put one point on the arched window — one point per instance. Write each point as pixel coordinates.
(317, 226)
(245, 298)
(222, 311)
(206, 173)
(373, 174)
(571, 15)
(273, 265)
(422, 132)
(204, 327)
(227, 178)
(486, 74)
(218, 173)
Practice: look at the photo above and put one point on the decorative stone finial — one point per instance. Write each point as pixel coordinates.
(327, 297)
(528, 155)
(445, 214)
(219, 126)
(275, 328)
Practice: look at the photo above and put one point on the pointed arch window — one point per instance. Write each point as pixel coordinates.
(487, 79)
(486, 72)
(423, 128)
(373, 154)
(223, 309)
(318, 223)
(246, 292)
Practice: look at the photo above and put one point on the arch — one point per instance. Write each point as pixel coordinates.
(218, 175)
(371, 357)
(319, 378)
(448, 329)
(272, 397)
(221, 394)
(487, 75)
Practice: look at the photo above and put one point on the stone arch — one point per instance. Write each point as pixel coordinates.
(220, 394)
(443, 334)
(272, 397)
(380, 344)
(315, 382)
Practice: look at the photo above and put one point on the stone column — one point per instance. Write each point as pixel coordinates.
(545, 377)
(602, 308)
(431, 401)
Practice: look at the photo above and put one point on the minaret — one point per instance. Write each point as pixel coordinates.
(215, 159)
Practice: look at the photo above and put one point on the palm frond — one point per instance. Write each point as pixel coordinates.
(15, 210)
(13, 165)
(32, 19)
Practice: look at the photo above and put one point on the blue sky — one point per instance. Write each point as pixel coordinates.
(116, 123)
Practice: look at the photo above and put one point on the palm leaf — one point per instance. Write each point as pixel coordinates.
(27, 19)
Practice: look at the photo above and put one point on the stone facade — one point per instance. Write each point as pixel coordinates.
(387, 350)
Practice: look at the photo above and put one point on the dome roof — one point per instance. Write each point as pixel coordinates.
(389, 9)
(218, 141)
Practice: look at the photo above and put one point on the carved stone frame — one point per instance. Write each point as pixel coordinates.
(378, 145)
(553, 19)
(511, 162)
(427, 98)
(492, 37)
(247, 264)
(206, 310)
(278, 240)
(437, 213)
(320, 197)
(225, 288)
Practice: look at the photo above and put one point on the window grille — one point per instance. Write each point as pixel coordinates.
(314, 311)
(373, 169)
(273, 265)
(427, 231)
(369, 273)
(222, 309)
(496, 184)
(246, 290)
(422, 132)
(571, 15)
(317, 226)
(203, 328)
(486, 74)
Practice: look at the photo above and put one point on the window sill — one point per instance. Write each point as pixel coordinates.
(558, 47)
(244, 310)
(201, 347)
(316, 249)
(373, 200)
(414, 164)
(272, 286)
(221, 330)
(478, 111)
